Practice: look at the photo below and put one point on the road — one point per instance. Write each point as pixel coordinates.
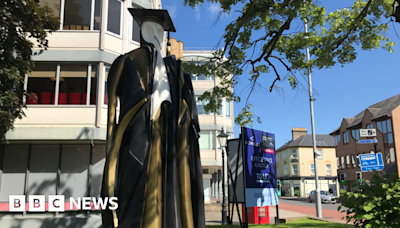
(301, 205)
(304, 202)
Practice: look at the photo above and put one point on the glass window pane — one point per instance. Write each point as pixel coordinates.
(105, 85)
(74, 168)
(135, 29)
(98, 161)
(73, 84)
(204, 140)
(384, 127)
(212, 140)
(53, 4)
(93, 86)
(379, 125)
(42, 84)
(97, 14)
(77, 14)
(389, 125)
(114, 17)
(228, 108)
(43, 170)
(15, 161)
(390, 138)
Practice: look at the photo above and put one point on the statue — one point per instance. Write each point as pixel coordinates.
(153, 162)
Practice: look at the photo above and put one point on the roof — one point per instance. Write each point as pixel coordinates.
(378, 110)
(306, 141)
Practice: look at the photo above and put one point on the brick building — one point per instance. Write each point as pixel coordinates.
(383, 116)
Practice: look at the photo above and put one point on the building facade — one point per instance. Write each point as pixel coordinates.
(296, 167)
(210, 124)
(385, 118)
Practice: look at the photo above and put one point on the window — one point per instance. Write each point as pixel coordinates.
(227, 108)
(370, 126)
(135, 29)
(294, 154)
(74, 88)
(346, 137)
(328, 170)
(286, 171)
(348, 161)
(14, 171)
(202, 77)
(43, 169)
(77, 14)
(42, 84)
(284, 156)
(295, 170)
(55, 5)
(356, 134)
(342, 162)
(319, 153)
(338, 162)
(114, 17)
(312, 169)
(353, 161)
(74, 170)
(207, 140)
(200, 107)
(385, 127)
(337, 139)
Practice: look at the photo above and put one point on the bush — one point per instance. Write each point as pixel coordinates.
(374, 203)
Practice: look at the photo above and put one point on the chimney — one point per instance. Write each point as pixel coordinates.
(298, 131)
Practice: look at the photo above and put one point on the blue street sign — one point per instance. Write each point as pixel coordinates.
(371, 162)
(368, 141)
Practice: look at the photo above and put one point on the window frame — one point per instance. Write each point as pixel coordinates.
(337, 139)
(284, 155)
(286, 171)
(330, 169)
(312, 169)
(131, 33)
(297, 157)
(92, 12)
(297, 169)
(211, 135)
(318, 154)
(120, 21)
(346, 137)
(57, 85)
(196, 99)
(226, 108)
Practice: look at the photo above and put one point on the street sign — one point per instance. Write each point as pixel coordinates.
(370, 162)
(367, 132)
(367, 141)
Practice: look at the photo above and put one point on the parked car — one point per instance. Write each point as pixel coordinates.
(326, 197)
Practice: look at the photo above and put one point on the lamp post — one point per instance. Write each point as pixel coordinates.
(222, 137)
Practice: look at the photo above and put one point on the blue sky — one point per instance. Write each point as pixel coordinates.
(340, 91)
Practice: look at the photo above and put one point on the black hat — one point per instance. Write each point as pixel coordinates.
(161, 16)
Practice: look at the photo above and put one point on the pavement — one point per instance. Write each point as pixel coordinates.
(289, 208)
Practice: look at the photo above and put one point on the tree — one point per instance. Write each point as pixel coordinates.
(374, 203)
(262, 38)
(20, 20)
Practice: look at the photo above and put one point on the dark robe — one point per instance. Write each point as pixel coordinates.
(153, 166)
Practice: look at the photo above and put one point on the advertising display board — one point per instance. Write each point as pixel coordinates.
(260, 168)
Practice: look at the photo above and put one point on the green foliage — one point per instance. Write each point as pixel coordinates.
(332, 39)
(375, 203)
(19, 21)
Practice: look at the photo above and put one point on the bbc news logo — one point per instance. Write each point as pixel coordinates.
(56, 203)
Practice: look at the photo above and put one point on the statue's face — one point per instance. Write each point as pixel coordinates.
(153, 33)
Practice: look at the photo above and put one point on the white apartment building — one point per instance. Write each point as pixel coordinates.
(210, 126)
